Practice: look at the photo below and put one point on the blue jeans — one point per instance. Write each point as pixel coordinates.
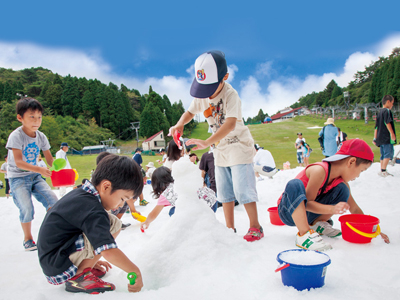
(300, 157)
(22, 190)
(387, 151)
(295, 193)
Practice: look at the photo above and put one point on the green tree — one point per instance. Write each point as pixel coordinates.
(8, 93)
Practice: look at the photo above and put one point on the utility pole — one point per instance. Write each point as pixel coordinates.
(136, 126)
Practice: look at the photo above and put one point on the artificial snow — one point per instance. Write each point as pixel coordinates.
(192, 255)
(304, 258)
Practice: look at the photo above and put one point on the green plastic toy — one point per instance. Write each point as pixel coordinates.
(132, 278)
(58, 164)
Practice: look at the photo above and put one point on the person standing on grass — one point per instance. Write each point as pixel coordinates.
(234, 145)
(330, 133)
(385, 134)
(4, 170)
(299, 152)
(62, 153)
(25, 176)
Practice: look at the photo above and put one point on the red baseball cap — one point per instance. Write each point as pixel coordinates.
(354, 147)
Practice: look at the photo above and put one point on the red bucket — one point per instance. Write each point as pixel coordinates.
(359, 229)
(65, 177)
(274, 216)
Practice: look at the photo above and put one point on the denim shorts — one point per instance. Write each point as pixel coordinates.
(236, 183)
(387, 151)
(22, 190)
(295, 193)
(300, 157)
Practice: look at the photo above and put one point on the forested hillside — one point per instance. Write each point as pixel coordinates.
(81, 111)
(380, 78)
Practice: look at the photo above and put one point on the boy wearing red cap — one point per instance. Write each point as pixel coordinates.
(322, 190)
(234, 150)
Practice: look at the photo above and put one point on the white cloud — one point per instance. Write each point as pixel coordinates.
(277, 94)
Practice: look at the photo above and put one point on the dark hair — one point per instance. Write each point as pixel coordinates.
(299, 133)
(25, 104)
(160, 179)
(174, 153)
(387, 98)
(101, 156)
(302, 142)
(84, 180)
(123, 173)
(194, 154)
(360, 161)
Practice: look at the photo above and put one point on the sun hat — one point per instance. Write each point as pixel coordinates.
(330, 121)
(354, 147)
(150, 165)
(210, 68)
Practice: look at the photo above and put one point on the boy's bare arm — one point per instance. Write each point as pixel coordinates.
(226, 128)
(20, 163)
(49, 157)
(392, 135)
(119, 259)
(185, 118)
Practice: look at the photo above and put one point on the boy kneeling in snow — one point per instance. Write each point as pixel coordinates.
(322, 190)
(77, 230)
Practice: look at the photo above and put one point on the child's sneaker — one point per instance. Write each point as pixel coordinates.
(254, 234)
(312, 241)
(86, 282)
(143, 202)
(384, 174)
(98, 273)
(30, 245)
(324, 228)
(124, 226)
(260, 178)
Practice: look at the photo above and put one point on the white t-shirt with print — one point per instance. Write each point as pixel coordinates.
(238, 146)
(298, 143)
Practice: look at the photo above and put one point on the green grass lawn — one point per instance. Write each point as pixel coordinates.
(278, 138)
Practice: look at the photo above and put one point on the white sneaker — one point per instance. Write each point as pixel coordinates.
(324, 228)
(312, 241)
(392, 162)
(384, 174)
(260, 178)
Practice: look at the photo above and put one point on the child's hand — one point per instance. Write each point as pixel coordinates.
(175, 128)
(101, 263)
(340, 208)
(137, 286)
(385, 238)
(144, 226)
(45, 172)
(200, 144)
(136, 212)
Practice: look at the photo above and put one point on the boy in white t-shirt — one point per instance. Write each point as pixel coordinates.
(234, 145)
(297, 145)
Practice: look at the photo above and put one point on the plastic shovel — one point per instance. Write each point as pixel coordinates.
(58, 164)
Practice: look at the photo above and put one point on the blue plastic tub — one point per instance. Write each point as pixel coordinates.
(305, 276)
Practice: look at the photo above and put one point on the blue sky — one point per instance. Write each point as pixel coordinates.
(276, 51)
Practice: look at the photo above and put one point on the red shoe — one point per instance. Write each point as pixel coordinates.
(98, 273)
(86, 282)
(254, 234)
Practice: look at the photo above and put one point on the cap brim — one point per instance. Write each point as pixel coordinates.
(202, 91)
(336, 157)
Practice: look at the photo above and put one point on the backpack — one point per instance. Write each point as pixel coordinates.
(321, 139)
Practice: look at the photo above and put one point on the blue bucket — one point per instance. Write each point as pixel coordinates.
(305, 276)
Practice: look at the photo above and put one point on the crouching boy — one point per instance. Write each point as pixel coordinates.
(77, 230)
(320, 191)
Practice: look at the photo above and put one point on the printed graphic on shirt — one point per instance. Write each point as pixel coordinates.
(170, 195)
(31, 152)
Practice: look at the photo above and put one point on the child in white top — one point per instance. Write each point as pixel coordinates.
(163, 189)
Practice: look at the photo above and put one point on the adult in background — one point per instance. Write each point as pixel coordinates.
(330, 133)
(4, 170)
(62, 153)
(297, 145)
(207, 168)
(264, 163)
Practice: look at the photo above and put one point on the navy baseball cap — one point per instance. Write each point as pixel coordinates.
(64, 145)
(210, 68)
